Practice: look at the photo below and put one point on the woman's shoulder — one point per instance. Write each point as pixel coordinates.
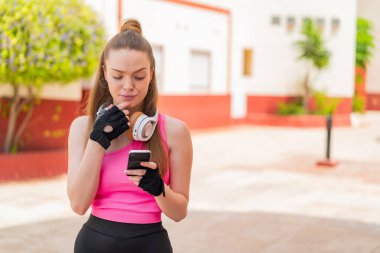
(174, 125)
(80, 124)
(175, 128)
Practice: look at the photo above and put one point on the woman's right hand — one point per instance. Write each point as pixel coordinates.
(110, 124)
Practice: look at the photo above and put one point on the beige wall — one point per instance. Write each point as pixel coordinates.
(72, 91)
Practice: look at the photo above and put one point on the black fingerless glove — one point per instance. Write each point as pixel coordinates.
(152, 182)
(113, 117)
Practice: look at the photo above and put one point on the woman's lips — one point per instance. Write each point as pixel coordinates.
(127, 97)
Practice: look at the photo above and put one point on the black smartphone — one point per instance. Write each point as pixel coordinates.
(136, 157)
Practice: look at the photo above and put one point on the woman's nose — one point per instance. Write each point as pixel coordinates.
(128, 84)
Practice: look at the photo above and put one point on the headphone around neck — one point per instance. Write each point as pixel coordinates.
(141, 126)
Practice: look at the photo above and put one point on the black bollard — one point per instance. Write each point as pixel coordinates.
(328, 126)
(327, 162)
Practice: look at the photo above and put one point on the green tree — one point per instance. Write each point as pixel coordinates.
(42, 42)
(364, 52)
(364, 42)
(313, 51)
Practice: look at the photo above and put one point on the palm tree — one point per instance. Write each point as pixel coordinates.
(313, 51)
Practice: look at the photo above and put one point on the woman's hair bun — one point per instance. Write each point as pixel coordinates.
(131, 24)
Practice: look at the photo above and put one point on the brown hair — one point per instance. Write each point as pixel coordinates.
(130, 37)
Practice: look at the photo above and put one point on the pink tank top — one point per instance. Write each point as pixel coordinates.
(118, 198)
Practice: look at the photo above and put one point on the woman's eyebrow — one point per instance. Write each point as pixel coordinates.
(124, 72)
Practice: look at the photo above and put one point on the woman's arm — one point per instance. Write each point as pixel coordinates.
(86, 156)
(174, 204)
(84, 162)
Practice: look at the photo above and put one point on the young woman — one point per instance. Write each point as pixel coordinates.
(126, 205)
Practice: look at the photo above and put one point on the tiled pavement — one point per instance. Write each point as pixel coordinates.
(254, 189)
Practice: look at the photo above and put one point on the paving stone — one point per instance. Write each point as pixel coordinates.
(253, 190)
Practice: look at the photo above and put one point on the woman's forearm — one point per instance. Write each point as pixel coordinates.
(82, 187)
(173, 205)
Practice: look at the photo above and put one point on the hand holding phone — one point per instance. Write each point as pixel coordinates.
(151, 180)
(136, 157)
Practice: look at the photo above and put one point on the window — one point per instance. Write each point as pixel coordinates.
(275, 21)
(290, 23)
(247, 62)
(158, 53)
(200, 70)
(320, 24)
(335, 24)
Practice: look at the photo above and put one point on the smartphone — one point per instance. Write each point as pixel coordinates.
(135, 157)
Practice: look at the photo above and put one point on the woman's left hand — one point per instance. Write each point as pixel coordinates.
(136, 175)
(148, 179)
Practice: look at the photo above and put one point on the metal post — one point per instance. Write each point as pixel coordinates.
(329, 126)
(327, 162)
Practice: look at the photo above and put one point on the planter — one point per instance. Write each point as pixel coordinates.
(32, 165)
(357, 119)
(341, 120)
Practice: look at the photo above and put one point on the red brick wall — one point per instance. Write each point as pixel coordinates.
(203, 111)
(51, 119)
(373, 101)
(48, 127)
(269, 104)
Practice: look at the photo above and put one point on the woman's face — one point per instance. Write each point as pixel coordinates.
(128, 73)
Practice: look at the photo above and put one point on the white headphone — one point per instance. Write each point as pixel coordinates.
(141, 126)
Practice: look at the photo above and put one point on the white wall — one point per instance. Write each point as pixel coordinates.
(276, 70)
(370, 9)
(107, 11)
(180, 29)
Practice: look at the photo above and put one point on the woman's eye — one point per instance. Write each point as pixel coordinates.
(140, 77)
(117, 77)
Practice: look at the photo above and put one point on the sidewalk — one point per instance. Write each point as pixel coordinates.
(253, 189)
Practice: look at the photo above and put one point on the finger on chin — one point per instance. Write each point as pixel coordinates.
(123, 105)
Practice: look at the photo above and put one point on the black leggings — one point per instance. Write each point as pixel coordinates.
(99, 235)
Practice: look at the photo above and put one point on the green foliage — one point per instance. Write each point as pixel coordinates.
(364, 42)
(324, 104)
(312, 46)
(44, 41)
(291, 108)
(358, 79)
(358, 104)
(313, 51)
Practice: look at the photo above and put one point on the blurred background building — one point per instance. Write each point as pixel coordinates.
(221, 62)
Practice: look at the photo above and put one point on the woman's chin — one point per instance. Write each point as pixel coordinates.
(120, 101)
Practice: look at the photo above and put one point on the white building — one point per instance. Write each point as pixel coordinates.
(237, 57)
(222, 61)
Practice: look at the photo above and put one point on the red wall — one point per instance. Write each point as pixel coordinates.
(262, 110)
(48, 127)
(27, 165)
(269, 104)
(51, 120)
(373, 101)
(204, 111)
